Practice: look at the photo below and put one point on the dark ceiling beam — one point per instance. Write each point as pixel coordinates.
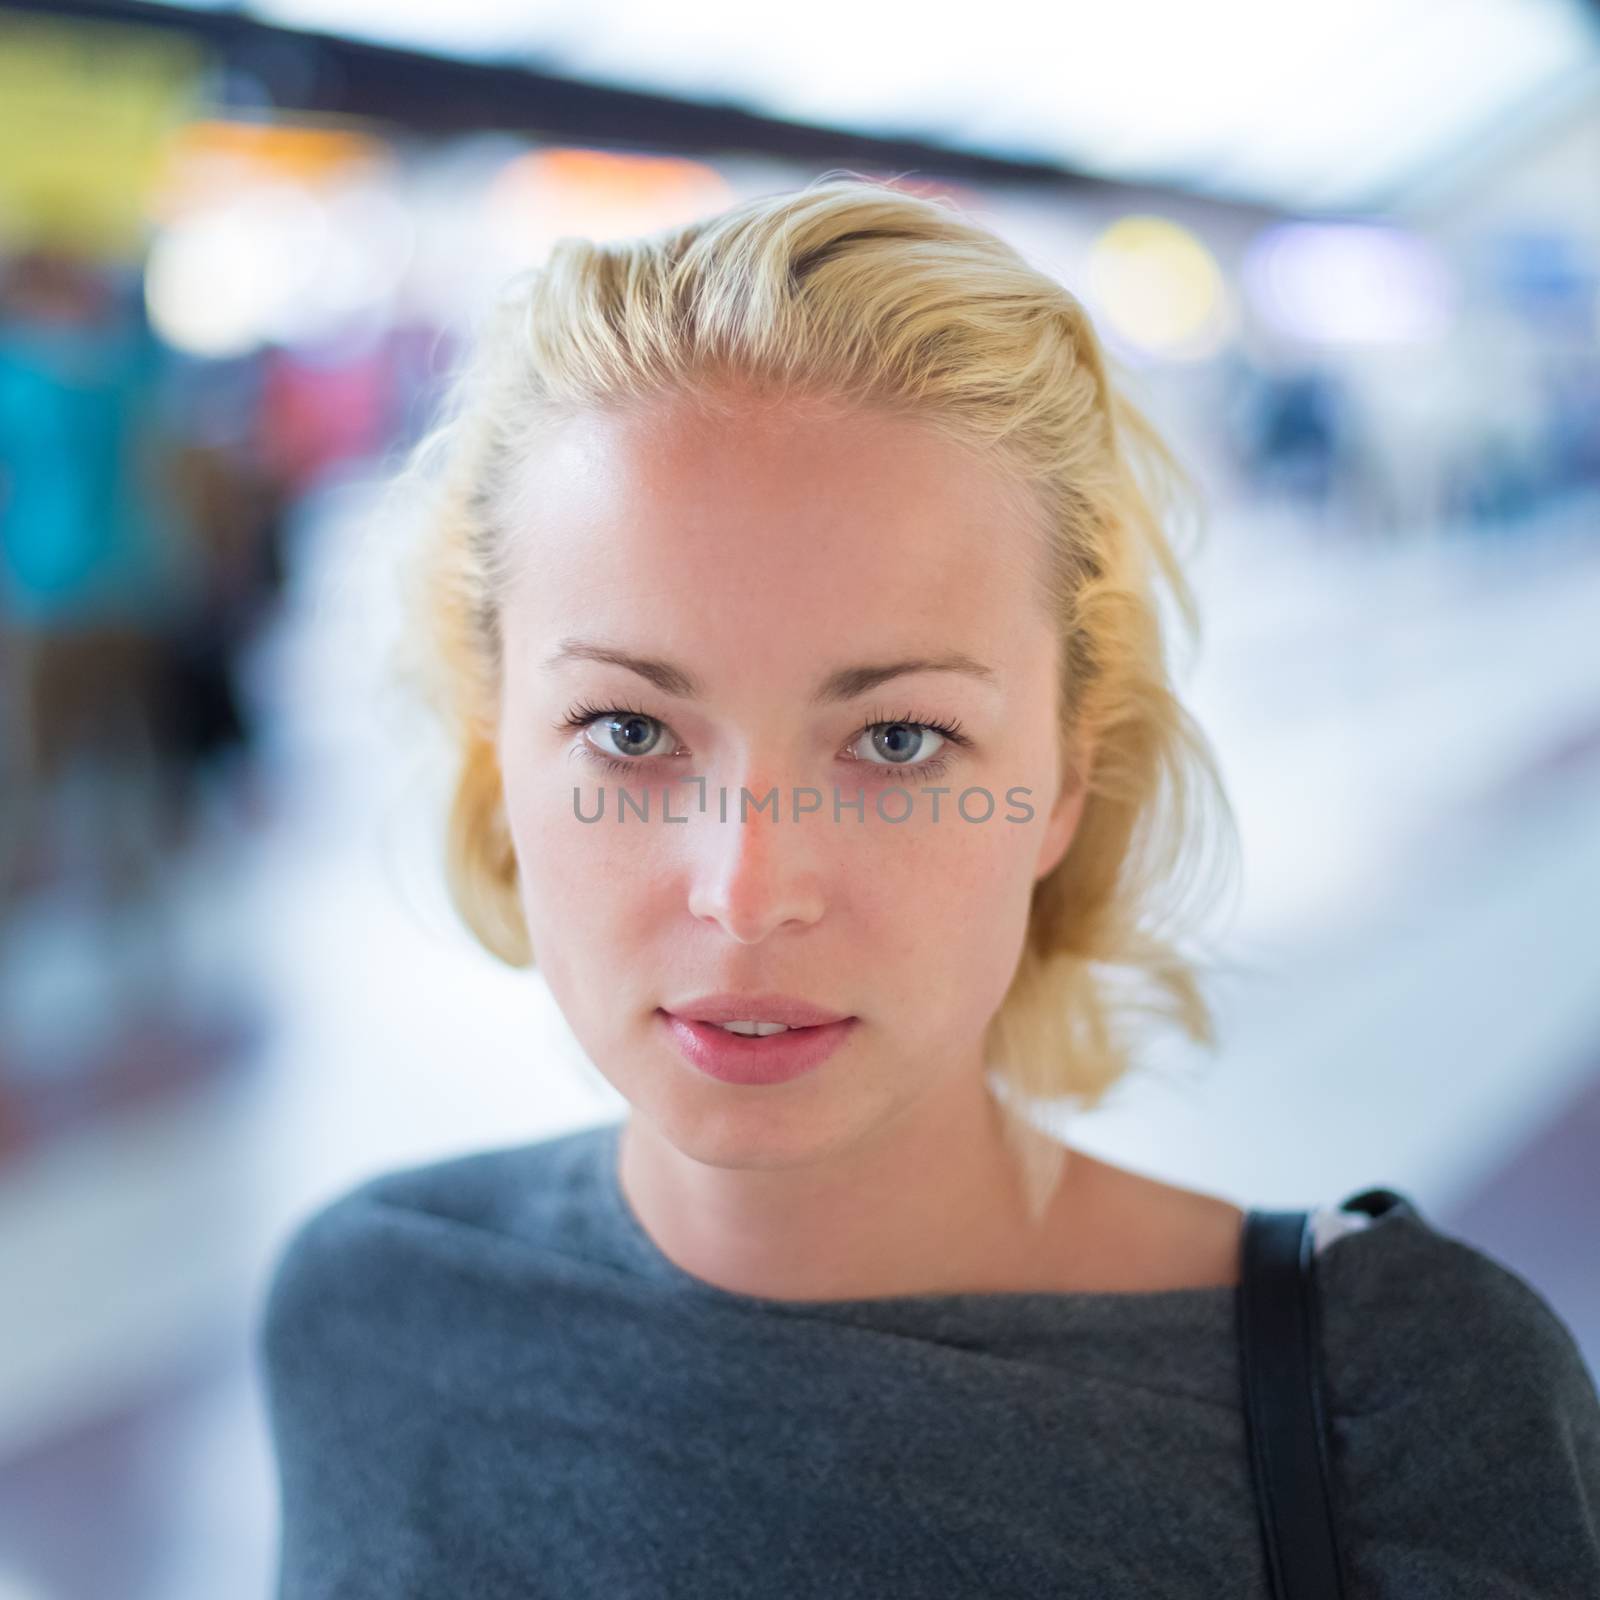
(440, 96)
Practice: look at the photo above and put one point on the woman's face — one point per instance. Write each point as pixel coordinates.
(757, 561)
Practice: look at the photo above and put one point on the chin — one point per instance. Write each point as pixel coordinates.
(723, 1125)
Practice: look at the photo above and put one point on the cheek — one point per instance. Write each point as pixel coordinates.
(583, 883)
(945, 914)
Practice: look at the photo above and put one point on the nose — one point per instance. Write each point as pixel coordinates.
(757, 872)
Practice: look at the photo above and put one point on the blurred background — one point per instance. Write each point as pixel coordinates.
(1350, 258)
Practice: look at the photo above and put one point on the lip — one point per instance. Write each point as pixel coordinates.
(735, 1058)
(788, 1009)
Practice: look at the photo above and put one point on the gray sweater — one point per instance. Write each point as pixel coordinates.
(485, 1381)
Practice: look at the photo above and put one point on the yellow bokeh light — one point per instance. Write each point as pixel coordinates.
(1158, 286)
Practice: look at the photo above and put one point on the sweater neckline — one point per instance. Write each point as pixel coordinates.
(644, 1256)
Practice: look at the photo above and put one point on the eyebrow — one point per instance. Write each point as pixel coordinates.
(845, 683)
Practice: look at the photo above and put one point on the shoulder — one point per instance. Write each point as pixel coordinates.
(377, 1240)
(505, 1187)
(1465, 1423)
(1402, 1299)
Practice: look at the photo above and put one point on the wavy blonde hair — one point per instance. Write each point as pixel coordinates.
(859, 291)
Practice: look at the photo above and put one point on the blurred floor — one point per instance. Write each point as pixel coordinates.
(1430, 1015)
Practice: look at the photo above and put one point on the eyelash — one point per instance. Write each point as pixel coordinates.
(585, 713)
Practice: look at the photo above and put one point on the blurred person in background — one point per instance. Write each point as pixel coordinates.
(1572, 422)
(326, 407)
(237, 508)
(1292, 434)
(96, 578)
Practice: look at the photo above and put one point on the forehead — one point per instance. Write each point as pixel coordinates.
(768, 535)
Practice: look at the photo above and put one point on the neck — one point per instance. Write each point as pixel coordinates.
(951, 1196)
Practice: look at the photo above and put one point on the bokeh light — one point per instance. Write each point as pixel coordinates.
(1349, 283)
(276, 262)
(541, 195)
(1158, 286)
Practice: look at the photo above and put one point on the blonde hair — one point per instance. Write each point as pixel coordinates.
(857, 291)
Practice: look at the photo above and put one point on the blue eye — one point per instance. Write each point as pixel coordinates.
(901, 739)
(903, 743)
(637, 735)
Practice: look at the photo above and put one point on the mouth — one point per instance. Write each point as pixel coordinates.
(734, 1055)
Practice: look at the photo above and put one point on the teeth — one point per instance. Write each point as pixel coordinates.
(754, 1030)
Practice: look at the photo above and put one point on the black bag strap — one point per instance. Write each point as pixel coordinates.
(1279, 1367)
(1280, 1356)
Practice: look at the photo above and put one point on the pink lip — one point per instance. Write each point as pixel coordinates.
(733, 1058)
(729, 1007)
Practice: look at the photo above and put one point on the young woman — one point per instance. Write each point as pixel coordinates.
(791, 593)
